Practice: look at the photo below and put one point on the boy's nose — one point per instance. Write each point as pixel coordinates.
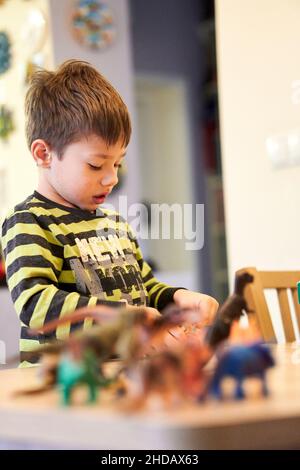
(110, 179)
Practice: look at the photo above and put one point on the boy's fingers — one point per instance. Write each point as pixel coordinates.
(210, 309)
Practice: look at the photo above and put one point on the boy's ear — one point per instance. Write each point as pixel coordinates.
(41, 153)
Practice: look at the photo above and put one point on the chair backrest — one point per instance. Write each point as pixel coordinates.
(281, 281)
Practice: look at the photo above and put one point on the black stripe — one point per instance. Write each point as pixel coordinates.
(69, 239)
(56, 305)
(39, 204)
(79, 213)
(45, 220)
(41, 338)
(28, 283)
(82, 302)
(23, 205)
(141, 263)
(17, 218)
(28, 308)
(48, 219)
(135, 242)
(30, 262)
(68, 287)
(76, 326)
(165, 298)
(30, 357)
(148, 277)
(24, 239)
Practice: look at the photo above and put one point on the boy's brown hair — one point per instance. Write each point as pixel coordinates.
(74, 102)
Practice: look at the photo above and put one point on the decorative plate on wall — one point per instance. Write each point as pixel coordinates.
(34, 32)
(5, 54)
(93, 24)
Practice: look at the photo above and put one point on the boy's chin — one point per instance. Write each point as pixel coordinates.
(84, 206)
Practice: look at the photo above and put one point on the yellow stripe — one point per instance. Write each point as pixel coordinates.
(73, 228)
(63, 331)
(156, 287)
(86, 226)
(88, 322)
(66, 276)
(68, 307)
(25, 296)
(24, 364)
(33, 250)
(28, 229)
(55, 211)
(39, 314)
(158, 296)
(25, 273)
(139, 255)
(28, 345)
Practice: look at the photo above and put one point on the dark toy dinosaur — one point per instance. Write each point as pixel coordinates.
(231, 310)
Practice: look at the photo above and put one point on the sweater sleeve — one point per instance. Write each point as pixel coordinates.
(33, 261)
(160, 294)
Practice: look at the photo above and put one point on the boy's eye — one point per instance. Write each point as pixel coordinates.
(119, 165)
(94, 167)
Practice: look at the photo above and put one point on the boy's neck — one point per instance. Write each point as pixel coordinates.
(46, 190)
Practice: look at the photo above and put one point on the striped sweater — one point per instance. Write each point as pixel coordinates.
(60, 258)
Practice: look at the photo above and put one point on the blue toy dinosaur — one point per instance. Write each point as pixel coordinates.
(241, 362)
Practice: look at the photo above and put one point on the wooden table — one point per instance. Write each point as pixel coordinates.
(251, 424)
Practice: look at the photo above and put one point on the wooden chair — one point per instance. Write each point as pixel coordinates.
(282, 281)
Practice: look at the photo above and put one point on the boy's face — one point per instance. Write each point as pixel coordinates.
(87, 172)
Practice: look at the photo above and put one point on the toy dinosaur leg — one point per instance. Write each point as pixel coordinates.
(239, 392)
(216, 389)
(93, 393)
(66, 395)
(265, 390)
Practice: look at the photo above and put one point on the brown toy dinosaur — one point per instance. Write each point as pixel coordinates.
(231, 310)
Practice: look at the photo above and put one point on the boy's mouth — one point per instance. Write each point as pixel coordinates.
(100, 198)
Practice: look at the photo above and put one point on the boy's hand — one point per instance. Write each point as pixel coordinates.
(151, 312)
(203, 304)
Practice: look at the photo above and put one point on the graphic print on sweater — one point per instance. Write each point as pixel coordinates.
(106, 266)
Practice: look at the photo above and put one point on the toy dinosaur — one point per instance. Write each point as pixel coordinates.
(84, 370)
(126, 334)
(241, 362)
(171, 376)
(231, 310)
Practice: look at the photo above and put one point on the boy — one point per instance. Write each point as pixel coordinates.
(62, 250)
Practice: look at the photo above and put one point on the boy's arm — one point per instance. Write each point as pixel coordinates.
(160, 294)
(34, 260)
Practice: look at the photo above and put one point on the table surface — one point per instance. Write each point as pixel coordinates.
(255, 423)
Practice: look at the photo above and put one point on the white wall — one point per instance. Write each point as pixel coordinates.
(258, 62)
(15, 158)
